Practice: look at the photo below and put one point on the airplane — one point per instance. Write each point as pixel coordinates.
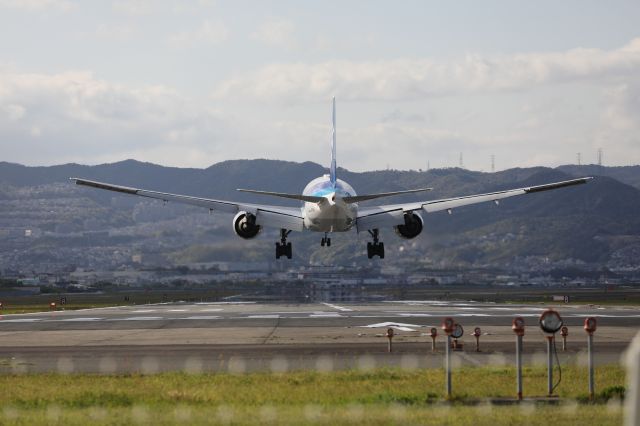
(330, 205)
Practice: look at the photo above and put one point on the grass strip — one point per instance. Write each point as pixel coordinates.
(380, 396)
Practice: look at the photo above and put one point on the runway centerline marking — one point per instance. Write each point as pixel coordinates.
(80, 319)
(339, 308)
(139, 319)
(201, 317)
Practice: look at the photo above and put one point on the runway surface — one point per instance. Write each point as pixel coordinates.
(244, 336)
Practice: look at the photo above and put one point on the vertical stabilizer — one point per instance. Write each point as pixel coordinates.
(332, 170)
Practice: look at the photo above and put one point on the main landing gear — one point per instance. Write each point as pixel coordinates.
(283, 248)
(326, 241)
(377, 247)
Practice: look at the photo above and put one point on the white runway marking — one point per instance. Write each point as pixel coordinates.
(82, 319)
(263, 316)
(143, 311)
(177, 310)
(415, 315)
(140, 319)
(325, 315)
(201, 317)
(395, 325)
(339, 308)
(21, 320)
(210, 310)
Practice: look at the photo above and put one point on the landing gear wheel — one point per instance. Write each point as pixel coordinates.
(328, 242)
(283, 248)
(376, 248)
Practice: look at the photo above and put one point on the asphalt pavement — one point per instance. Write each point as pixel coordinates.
(242, 336)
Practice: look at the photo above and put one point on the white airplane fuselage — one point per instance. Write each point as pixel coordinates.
(332, 214)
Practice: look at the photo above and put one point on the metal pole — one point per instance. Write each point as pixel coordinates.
(549, 365)
(433, 344)
(519, 365)
(448, 365)
(590, 349)
(390, 345)
(632, 399)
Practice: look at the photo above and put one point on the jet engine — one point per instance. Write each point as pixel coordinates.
(244, 225)
(412, 227)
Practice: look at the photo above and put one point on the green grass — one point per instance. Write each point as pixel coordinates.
(29, 309)
(382, 396)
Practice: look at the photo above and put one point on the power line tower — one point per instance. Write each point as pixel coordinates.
(600, 157)
(460, 162)
(579, 158)
(493, 163)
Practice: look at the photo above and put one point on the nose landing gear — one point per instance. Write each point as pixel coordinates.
(325, 240)
(377, 247)
(283, 248)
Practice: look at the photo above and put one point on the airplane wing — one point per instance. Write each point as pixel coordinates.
(393, 214)
(267, 216)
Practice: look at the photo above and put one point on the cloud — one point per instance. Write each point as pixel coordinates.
(208, 33)
(133, 7)
(118, 32)
(415, 79)
(74, 116)
(13, 112)
(36, 5)
(399, 116)
(275, 32)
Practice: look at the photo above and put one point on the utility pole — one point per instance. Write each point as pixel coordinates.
(461, 163)
(579, 158)
(493, 163)
(600, 157)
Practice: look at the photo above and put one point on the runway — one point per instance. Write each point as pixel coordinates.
(251, 336)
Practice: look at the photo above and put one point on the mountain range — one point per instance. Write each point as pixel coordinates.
(593, 224)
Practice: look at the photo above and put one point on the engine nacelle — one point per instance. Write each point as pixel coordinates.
(244, 225)
(412, 227)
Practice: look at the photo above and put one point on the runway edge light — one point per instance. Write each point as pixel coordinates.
(550, 323)
(434, 334)
(477, 333)
(590, 326)
(447, 325)
(517, 325)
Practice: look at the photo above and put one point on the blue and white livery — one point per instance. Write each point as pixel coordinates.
(330, 205)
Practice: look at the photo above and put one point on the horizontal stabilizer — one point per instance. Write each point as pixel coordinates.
(358, 198)
(307, 198)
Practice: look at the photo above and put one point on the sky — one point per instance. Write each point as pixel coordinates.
(418, 84)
